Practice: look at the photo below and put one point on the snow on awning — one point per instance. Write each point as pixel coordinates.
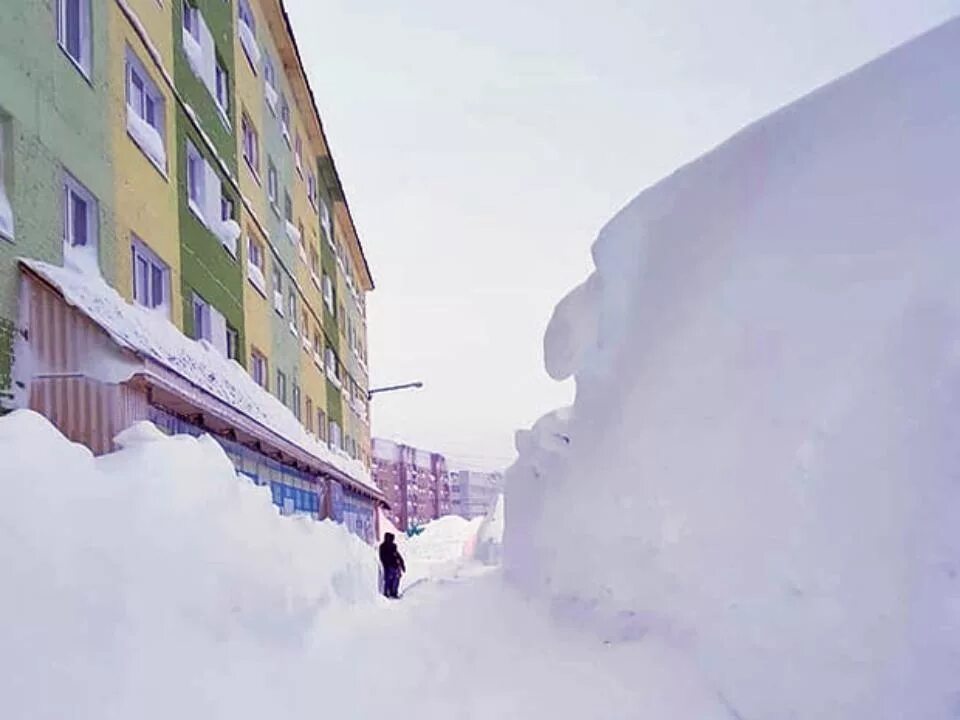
(148, 333)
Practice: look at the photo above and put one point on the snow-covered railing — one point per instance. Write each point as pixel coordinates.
(147, 139)
(249, 42)
(255, 276)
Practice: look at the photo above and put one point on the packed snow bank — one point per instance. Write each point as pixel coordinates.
(438, 552)
(155, 583)
(761, 463)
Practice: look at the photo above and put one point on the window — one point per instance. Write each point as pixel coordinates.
(74, 32)
(210, 325)
(295, 399)
(151, 278)
(226, 208)
(201, 319)
(322, 425)
(312, 188)
(287, 207)
(196, 175)
(314, 261)
(298, 154)
(317, 346)
(277, 289)
(233, 343)
(79, 217)
(335, 439)
(327, 292)
(256, 264)
(273, 187)
(340, 317)
(270, 84)
(292, 305)
(330, 360)
(223, 90)
(308, 414)
(6, 209)
(251, 146)
(325, 221)
(191, 20)
(247, 30)
(145, 112)
(282, 387)
(285, 118)
(258, 368)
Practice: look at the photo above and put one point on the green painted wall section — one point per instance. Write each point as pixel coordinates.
(219, 18)
(206, 267)
(52, 118)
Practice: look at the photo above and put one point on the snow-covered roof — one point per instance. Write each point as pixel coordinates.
(148, 333)
(386, 450)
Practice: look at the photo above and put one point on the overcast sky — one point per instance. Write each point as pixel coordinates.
(483, 145)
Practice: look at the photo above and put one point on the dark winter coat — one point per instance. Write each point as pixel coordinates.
(389, 554)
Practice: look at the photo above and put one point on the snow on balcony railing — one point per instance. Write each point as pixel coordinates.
(249, 42)
(147, 139)
(272, 97)
(255, 276)
(292, 232)
(6, 215)
(228, 231)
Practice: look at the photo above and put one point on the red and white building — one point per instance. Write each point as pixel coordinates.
(414, 482)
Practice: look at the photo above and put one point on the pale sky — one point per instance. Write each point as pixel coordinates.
(482, 146)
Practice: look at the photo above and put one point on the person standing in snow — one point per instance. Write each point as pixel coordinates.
(393, 566)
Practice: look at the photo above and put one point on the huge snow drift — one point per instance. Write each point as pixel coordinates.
(761, 465)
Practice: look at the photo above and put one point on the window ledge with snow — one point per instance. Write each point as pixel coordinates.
(228, 231)
(147, 138)
(249, 42)
(305, 342)
(195, 209)
(272, 97)
(255, 276)
(278, 303)
(253, 171)
(6, 217)
(293, 329)
(292, 232)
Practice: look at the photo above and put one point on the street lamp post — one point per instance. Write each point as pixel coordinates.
(392, 388)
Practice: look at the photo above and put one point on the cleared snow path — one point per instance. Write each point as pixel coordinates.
(470, 647)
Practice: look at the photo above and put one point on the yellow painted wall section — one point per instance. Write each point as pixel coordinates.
(249, 98)
(146, 198)
(256, 305)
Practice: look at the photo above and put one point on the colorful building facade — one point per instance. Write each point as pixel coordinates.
(173, 151)
(415, 483)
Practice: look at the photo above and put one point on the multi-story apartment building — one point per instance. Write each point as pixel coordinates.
(415, 483)
(175, 243)
(474, 493)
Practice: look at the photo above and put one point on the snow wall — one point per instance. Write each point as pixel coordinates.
(761, 464)
(155, 583)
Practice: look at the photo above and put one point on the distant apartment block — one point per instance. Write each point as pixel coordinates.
(474, 493)
(415, 483)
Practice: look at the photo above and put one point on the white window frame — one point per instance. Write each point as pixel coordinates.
(148, 91)
(222, 95)
(273, 185)
(145, 295)
(197, 185)
(73, 188)
(84, 63)
(328, 292)
(281, 386)
(251, 138)
(326, 223)
(6, 206)
(259, 367)
(205, 331)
